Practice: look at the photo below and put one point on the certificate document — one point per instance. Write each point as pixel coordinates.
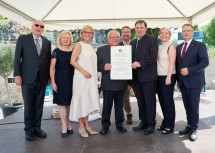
(121, 63)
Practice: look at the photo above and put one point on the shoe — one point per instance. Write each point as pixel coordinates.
(40, 133)
(83, 133)
(70, 131)
(90, 131)
(140, 127)
(104, 131)
(160, 128)
(193, 136)
(129, 119)
(185, 131)
(167, 131)
(29, 136)
(121, 128)
(149, 130)
(64, 135)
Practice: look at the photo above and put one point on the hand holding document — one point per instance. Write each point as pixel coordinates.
(121, 63)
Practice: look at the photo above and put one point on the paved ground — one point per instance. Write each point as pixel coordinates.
(12, 138)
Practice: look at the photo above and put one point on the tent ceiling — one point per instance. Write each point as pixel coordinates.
(71, 14)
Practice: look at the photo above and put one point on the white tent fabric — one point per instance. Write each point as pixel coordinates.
(71, 14)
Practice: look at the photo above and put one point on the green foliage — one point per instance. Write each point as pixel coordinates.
(2, 20)
(133, 34)
(196, 28)
(210, 33)
(150, 31)
(6, 59)
(153, 32)
(119, 30)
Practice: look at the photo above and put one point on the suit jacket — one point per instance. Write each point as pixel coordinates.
(28, 64)
(195, 59)
(103, 57)
(146, 54)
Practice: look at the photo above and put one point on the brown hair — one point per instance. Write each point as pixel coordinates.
(187, 24)
(141, 22)
(126, 27)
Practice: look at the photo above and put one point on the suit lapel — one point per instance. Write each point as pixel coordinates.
(43, 45)
(108, 51)
(140, 43)
(189, 49)
(31, 38)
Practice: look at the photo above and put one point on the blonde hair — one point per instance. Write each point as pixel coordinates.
(61, 35)
(84, 28)
(165, 28)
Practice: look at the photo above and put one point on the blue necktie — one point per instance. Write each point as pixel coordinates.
(134, 58)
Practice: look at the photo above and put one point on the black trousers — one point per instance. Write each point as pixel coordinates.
(146, 99)
(33, 95)
(191, 99)
(108, 98)
(165, 95)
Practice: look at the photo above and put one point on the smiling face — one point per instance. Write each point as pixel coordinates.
(87, 33)
(164, 35)
(113, 38)
(126, 34)
(37, 28)
(140, 29)
(65, 39)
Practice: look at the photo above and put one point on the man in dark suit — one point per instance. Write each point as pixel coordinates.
(126, 39)
(113, 90)
(145, 50)
(31, 71)
(192, 58)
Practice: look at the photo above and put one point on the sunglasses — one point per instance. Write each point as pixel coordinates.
(37, 25)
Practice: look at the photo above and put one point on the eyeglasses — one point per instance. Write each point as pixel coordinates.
(126, 32)
(114, 37)
(37, 25)
(187, 30)
(85, 32)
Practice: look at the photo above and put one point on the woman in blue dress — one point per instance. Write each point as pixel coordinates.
(61, 73)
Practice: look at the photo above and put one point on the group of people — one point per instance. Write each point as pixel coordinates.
(73, 75)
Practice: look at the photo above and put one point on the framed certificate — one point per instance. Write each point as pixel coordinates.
(121, 63)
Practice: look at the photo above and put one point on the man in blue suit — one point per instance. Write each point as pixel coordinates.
(192, 59)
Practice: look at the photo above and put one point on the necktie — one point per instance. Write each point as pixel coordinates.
(137, 43)
(134, 57)
(184, 50)
(38, 46)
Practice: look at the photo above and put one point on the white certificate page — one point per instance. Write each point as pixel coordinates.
(121, 63)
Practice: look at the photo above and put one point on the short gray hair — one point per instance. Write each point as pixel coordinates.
(113, 31)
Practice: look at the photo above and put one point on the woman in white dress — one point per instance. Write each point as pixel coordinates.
(85, 99)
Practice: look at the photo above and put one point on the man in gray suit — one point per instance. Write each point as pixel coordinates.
(31, 71)
(113, 90)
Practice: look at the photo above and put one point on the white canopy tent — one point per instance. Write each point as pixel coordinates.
(104, 14)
